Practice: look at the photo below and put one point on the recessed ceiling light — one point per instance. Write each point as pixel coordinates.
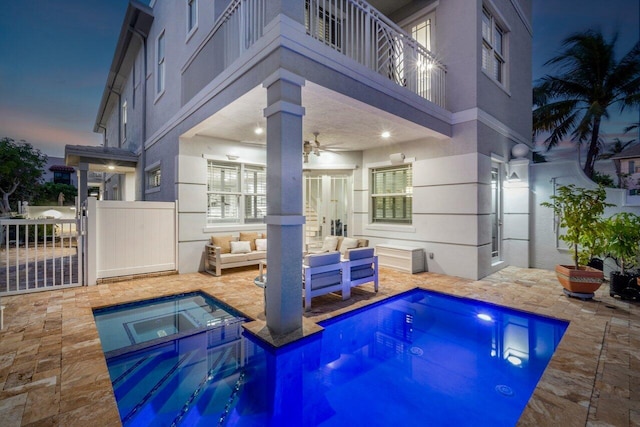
(111, 167)
(385, 134)
(258, 131)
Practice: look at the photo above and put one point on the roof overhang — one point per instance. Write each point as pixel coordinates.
(138, 19)
(101, 159)
(632, 152)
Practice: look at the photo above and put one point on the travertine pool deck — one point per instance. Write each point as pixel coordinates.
(53, 373)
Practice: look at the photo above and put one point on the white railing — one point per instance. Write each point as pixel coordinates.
(241, 25)
(38, 254)
(365, 35)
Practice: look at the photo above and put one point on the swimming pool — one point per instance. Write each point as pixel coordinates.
(421, 358)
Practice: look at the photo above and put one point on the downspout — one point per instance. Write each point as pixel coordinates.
(119, 117)
(143, 150)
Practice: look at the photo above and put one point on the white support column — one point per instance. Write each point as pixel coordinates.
(516, 214)
(129, 187)
(83, 190)
(91, 244)
(284, 201)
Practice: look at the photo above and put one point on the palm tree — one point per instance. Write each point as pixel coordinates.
(590, 82)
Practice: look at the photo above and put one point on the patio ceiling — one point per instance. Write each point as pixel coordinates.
(344, 124)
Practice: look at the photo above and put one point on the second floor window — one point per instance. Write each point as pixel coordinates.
(493, 47)
(423, 32)
(160, 66)
(192, 15)
(322, 24)
(236, 193)
(391, 195)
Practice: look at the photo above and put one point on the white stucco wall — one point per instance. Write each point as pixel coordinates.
(546, 249)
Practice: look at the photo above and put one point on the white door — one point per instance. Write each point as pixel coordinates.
(327, 197)
(497, 180)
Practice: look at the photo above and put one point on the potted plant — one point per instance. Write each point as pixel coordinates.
(579, 211)
(622, 237)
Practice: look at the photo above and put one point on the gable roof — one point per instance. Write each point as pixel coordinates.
(138, 20)
(629, 153)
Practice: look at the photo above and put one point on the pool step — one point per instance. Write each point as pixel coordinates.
(161, 387)
(207, 402)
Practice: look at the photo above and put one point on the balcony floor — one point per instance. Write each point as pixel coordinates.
(52, 370)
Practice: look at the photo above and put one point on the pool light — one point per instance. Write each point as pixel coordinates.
(485, 317)
(514, 360)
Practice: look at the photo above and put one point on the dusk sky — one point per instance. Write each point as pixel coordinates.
(55, 57)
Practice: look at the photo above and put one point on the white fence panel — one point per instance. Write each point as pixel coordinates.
(38, 254)
(133, 238)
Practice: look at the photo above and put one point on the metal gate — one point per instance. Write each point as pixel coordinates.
(39, 254)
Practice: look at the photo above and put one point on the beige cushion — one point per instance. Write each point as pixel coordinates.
(231, 258)
(251, 238)
(241, 247)
(256, 255)
(348, 243)
(363, 243)
(261, 244)
(223, 242)
(330, 244)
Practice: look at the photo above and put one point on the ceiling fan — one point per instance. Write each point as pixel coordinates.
(311, 147)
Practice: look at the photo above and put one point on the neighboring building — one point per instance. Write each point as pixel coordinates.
(57, 172)
(415, 107)
(628, 165)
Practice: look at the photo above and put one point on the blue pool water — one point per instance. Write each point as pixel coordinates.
(421, 358)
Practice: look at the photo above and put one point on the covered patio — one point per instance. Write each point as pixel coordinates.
(53, 372)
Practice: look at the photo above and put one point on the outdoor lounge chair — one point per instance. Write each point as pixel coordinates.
(360, 266)
(323, 273)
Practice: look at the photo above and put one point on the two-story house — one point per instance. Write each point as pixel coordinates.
(387, 120)
(628, 164)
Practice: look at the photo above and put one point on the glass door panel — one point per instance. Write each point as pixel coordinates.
(327, 204)
(496, 211)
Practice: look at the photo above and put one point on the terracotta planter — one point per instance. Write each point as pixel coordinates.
(585, 280)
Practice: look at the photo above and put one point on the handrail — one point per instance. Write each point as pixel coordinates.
(356, 29)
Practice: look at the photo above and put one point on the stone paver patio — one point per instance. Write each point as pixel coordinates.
(53, 372)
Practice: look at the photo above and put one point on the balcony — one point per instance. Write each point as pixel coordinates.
(360, 32)
(353, 28)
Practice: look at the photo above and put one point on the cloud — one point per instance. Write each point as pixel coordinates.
(49, 138)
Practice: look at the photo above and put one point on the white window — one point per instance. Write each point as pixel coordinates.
(493, 47)
(192, 16)
(236, 193)
(423, 31)
(124, 120)
(154, 177)
(160, 64)
(323, 24)
(391, 194)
